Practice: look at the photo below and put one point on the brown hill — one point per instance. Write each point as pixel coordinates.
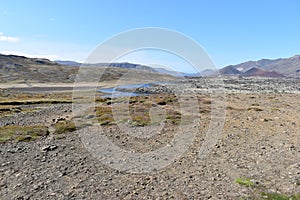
(20, 69)
(260, 72)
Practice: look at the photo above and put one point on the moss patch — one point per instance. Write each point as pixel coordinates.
(245, 181)
(274, 196)
(22, 134)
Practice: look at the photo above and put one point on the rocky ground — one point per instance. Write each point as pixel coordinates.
(229, 84)
(256, 155)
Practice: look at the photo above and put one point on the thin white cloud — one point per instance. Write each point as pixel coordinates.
(50, 57)
(5, 38)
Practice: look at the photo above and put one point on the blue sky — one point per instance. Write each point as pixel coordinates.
(230, 31)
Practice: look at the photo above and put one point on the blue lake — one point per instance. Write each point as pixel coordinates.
(114, 92)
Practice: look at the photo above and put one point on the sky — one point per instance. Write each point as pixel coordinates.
(230, 31)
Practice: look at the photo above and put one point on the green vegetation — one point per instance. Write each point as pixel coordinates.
(104, 115)
(8, 110)
(15, 98)
(245, 181)
(12, 102)
(274, 196)
(22, 134)
(139, 108)
(139, 114)
(135, 110)
(100, 100)
(140, 120)
(106, 101)
(174, 117)
(64, 127)
(265, 195)
(106, 119)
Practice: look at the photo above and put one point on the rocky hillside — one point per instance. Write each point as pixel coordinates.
(285, 66)
(19, 69)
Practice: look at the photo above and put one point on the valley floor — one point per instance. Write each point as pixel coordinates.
(256, 154)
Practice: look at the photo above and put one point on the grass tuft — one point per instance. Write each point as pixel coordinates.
(245, 181)
(275, 196)
(64, 127)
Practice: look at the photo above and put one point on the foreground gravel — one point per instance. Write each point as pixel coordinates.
(263, 146)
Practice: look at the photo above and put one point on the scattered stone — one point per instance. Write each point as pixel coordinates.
(49, 148)
(89, 116)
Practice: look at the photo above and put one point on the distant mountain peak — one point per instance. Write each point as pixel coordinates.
(296, 57)
(126, 65)
(283, 66)
(260, 72)
(229, 70)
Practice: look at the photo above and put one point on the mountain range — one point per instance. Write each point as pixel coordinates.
(289, 67)
(124, 65)
(20, 69)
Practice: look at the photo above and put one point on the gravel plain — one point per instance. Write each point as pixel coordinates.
(259, 142)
